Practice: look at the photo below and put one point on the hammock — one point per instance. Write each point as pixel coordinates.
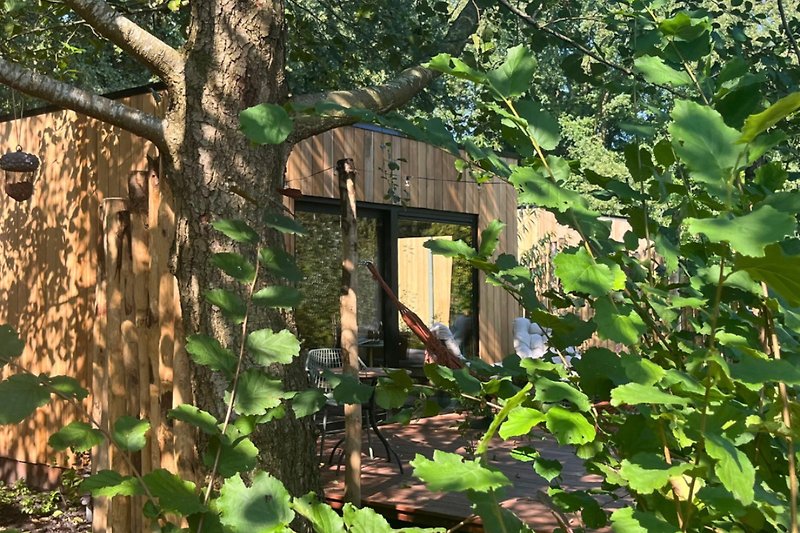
(435, 350)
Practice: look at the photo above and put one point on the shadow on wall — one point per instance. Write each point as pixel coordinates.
(48, 265)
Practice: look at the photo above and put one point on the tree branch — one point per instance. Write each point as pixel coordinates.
(381, 98)
(787, 29)
(65, 95)
(164, 60)
(579, 47)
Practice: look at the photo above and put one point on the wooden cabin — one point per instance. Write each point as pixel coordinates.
(112, 331)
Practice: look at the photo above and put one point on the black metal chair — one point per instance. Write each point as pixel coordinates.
(317, 360)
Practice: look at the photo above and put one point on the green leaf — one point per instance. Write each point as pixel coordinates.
(455, 67)
(449, 248)
(569, 427)
(129, 433)
(777, 270)
(490, 237)
(759, 370)
(761, 122)
(706, 145)
(449, 472)
(231, 305)
(628, 520)
(364, 520)
(549, 391)
(621, 323)
(20, 396)
(241, 455)
(173, 493)
(669, 250)
(322, 517)
(235, 266)
(579, 272)
(256, 393)
(268, 347)
(515, 75)
(283, 223)
(280, 264)
(538, 190)
(277, 296)
(636, 394)
(11, 346)
(203, 420)
(541, 125)
(549, 469)
(642, 370)
(66, 386)
(77, 435)
(238, 230)
(648, 472)
(390, 396)
(748, 234)
(263, 507)
(348, 389)
(266, 123)
(207, 351)
(308, 402)
(496, 518)
(520, 421)
(733, 468)
(107, 483)
(656, 71)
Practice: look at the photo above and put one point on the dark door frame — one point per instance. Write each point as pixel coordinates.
(390, 216)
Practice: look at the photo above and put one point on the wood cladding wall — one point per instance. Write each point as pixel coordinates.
(433, 183)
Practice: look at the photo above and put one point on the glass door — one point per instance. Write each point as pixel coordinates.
(437, 288)
(318, 254)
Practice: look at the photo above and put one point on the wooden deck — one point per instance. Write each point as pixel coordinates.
(404, 498)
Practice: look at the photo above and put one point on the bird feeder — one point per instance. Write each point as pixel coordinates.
(19, 168)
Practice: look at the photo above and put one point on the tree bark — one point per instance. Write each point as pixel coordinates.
(348, 310)
(235, 60)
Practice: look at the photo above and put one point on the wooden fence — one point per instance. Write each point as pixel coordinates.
(84, 280)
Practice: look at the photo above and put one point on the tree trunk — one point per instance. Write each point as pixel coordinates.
(235, 60)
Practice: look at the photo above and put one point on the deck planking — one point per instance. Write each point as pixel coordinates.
(405, 498)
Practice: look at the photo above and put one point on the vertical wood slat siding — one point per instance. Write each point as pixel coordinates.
(46, 270)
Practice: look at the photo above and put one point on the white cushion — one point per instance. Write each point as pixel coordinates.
(444, 334)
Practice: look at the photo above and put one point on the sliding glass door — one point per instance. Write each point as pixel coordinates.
(438, 288)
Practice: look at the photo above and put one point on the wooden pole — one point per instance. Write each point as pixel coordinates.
(116, 245)
(346, 173)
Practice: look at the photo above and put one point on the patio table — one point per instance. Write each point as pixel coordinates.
(372, 374)
(370, 345)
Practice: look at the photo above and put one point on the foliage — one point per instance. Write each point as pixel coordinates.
(29, 501)
(693, 419)
(701, 430)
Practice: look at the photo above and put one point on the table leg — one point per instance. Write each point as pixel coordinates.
(374, 425)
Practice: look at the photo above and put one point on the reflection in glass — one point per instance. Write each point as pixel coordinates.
(318, 254)
(436, 288)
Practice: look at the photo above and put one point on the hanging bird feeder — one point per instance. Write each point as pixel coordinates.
(19, 168)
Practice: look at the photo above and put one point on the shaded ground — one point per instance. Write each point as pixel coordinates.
(71, 518)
